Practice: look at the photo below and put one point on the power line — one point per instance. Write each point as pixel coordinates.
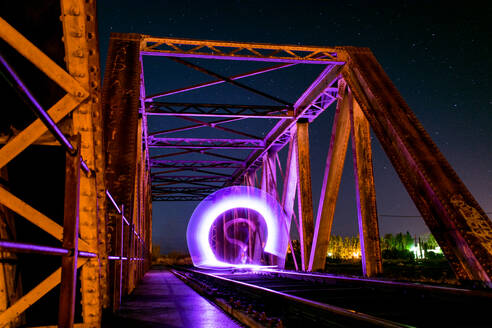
(407, 216)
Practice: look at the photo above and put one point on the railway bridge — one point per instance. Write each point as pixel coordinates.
(83, 157)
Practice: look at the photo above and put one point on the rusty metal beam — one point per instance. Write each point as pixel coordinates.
(66, 308)
(454, 217)
(173, 47)
(304, 190)
(367, 216)
(332, 177)
(81, 49)
(289, 190)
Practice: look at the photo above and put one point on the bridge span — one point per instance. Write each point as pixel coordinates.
(82, 160)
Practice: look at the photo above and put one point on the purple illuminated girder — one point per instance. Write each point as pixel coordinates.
(216, 110)
(201, 143)
(207, 84)
(218, 127)
(195, 114)
(195, 164)
(196, 126)
(177, 198)
(194, 169)
(190, 178)
(185, 189)
(242, 58)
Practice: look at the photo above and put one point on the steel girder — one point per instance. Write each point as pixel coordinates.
(459, 224)
(217, 110)
(201, 143)
(195, 164)
(170, 47)
(452, 215)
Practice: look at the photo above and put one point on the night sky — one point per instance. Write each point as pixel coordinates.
(437, 53)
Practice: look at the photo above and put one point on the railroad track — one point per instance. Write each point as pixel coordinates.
(272, 298)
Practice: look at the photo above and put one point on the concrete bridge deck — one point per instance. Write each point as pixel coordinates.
(162, 300)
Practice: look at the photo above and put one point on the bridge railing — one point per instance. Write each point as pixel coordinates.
(130, 248)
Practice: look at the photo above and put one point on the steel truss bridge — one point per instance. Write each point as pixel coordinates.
(116, 163)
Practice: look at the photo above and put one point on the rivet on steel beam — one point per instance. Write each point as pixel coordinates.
(79, 93)
(76, 34)
(78, 53)
(74, 11)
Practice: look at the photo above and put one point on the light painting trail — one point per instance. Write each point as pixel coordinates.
(224, 200)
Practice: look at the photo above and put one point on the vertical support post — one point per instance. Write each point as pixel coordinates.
(117, 263)
(126, 252)
(289, 190)
(249, 181)
(122, 241)
(131, 259)
(305, 199)
(269, 186)
(331, 182)
(365, 193)
(79, 22)
(70, 239)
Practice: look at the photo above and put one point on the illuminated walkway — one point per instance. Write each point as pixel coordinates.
(162, 300)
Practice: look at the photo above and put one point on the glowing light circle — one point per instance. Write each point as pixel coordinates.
(226, 199)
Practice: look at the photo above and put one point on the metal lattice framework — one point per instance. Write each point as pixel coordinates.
(365, 98)
(110, 147)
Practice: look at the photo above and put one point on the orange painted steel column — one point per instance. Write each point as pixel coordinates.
(68, 285)
(365, 193)
(331, 182)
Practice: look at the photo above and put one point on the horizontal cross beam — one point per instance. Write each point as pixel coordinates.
(202, 143)
(195, 164)
(216, 110)
(185, 189)
(171, 47)
(189, 178)
(177, 198)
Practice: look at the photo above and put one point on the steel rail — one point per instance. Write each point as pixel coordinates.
(376, 282)
(343, 313)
